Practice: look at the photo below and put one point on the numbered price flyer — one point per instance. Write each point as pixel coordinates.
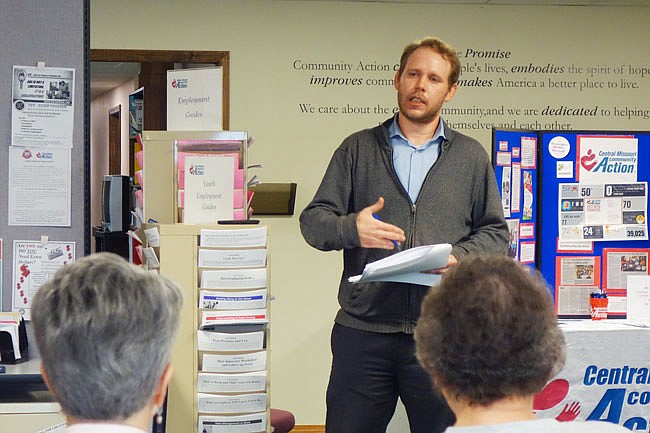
(603, 212)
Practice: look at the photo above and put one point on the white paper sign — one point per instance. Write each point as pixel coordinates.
(252, 237)
(209, 184)
(34, 263)
(229, 342)
(194, 99)
(212, 300)
(39, 187)
(638, 298)
(238, 363)
(43, 106)
(607, 159)
(249, 423)
(238, 403)
(233, 278)
(254, 257)
(232, 382)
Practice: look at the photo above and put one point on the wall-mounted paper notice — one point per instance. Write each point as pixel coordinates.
(232, 300)
(233, 279)
(249, 423)
(255, 257)
(227, 383)
(230, 342)
(240, 403)
(237, 363)
(638, 298)
(251, 237)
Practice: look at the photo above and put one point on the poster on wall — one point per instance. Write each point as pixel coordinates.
(608, 158)
(34, 262)
(209, 189)
(619, 264)
(576, 278)
(42, 112)
(195, 99)
(39, 187)
(603, 212)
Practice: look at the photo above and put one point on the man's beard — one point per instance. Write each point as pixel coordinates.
(424, 118)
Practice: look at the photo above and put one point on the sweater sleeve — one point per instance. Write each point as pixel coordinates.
(326, 223)
(489, 231)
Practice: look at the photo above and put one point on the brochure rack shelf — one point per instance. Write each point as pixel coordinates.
(233, 322)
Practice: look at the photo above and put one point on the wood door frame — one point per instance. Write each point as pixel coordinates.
(156, 60)
(115, 140)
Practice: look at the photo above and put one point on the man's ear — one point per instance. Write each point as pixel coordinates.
(46, 379)
(451, 93)
(161, 389)
(396, 80)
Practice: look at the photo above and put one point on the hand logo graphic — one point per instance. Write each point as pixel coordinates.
(588, 161)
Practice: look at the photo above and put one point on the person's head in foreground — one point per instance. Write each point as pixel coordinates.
(489, 338)
(104, 329)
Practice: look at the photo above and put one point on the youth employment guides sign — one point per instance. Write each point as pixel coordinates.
(209, 185)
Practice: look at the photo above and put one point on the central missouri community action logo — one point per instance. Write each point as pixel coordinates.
(552, 395)
(615, 161)
(606, 159)
(180, 83)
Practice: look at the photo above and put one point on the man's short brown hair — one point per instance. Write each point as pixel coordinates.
(439, 46)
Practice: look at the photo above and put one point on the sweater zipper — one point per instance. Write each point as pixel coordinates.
(410, 242)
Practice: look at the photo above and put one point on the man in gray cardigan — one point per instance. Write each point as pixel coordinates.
(408, 182)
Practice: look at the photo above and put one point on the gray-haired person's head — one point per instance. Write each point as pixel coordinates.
(105, 329)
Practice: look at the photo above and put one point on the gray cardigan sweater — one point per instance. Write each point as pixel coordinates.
(459, 203)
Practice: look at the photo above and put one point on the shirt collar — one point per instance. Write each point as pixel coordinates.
(394, 131)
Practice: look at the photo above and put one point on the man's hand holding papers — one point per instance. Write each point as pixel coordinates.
(408, 266)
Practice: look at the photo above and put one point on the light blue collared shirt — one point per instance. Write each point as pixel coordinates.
(413, 163)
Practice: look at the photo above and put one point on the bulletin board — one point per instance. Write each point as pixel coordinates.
(52, 34)
(590, 205)
(602, 178)
(515, 159)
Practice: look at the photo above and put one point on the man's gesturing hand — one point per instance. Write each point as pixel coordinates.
(374, 233)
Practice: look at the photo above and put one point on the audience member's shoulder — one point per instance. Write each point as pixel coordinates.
(600, 427)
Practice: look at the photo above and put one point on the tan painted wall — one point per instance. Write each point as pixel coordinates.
(266, 38)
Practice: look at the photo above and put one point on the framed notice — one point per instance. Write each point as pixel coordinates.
(576, 278)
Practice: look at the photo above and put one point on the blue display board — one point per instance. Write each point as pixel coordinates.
(590, 201)
(515, 159)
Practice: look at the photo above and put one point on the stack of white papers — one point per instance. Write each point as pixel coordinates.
(249, 423)
(233, 382)
(238, 238)
(228, 279)
(407, 266)
(239, 403)
(233, 363)
(229, 342)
